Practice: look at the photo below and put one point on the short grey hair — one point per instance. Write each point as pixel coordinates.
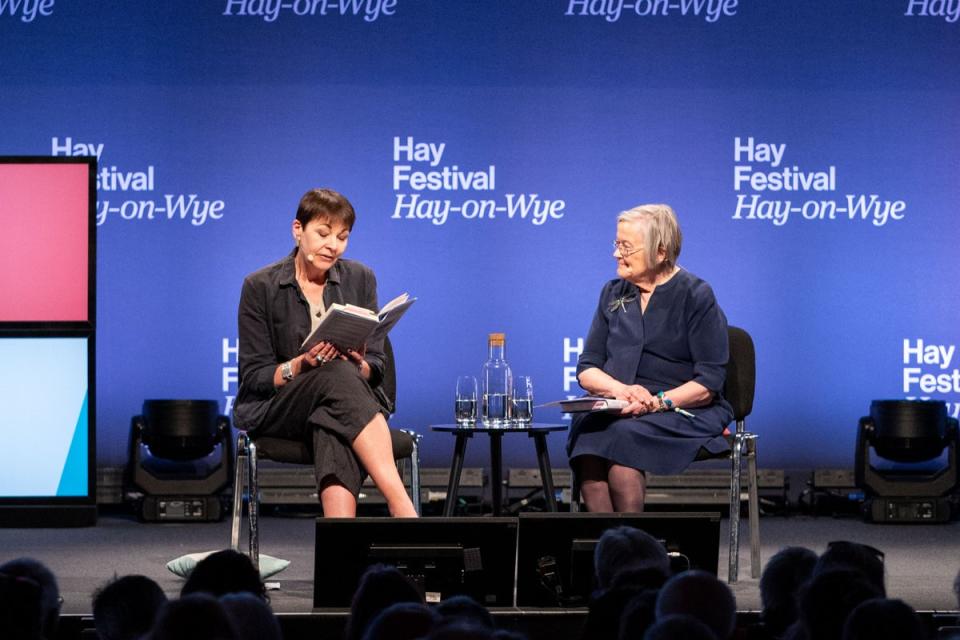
(660, 230)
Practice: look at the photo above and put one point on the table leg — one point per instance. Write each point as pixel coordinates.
(496, 472)
(456, 466)
(546, 473)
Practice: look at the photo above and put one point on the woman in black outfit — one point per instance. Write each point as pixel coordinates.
(326, 399)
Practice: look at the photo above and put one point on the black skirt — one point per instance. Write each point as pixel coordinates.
(324, 408)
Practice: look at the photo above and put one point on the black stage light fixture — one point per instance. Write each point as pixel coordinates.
(180, 460)
(907, 432)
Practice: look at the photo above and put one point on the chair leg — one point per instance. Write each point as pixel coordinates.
(754, 505)
(574, 494)
(734, 551)
(239, 482)
(405, 465)
(415, 472)
(253, 506)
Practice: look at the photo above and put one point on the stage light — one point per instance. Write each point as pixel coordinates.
(180, 460)
(907, 432)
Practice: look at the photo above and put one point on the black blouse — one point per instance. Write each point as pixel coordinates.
(274, 320)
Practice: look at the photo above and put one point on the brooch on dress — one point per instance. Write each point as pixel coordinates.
(622, 302)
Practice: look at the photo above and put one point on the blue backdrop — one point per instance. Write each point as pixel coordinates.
(810, 148)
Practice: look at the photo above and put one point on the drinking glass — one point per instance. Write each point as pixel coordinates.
(523, 400)
(465, 405)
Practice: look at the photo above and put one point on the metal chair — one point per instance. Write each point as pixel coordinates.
(406, 451)
(738, 391)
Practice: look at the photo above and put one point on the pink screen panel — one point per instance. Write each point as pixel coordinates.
(44, 222)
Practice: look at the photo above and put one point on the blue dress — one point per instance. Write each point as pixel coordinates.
(682, 336)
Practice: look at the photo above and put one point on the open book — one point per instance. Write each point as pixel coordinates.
(348, 326)
(588, 403)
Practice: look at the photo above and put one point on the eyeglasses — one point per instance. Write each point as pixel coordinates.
(625, 248)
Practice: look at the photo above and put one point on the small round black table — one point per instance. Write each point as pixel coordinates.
(537, 431)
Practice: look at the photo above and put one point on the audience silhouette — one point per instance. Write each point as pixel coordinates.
(380, 586)
(702, 596)
(639, 615)
(224, 572)
(627, 549)
(20, 613)
(882, 619)
(251, 616)
(679, 627)
(826, 601)
(402, 621)
(126, 608)
(839, 595)
(195, 616)
(780, 584)
(853, 555)
(30, 570)
(467, 610)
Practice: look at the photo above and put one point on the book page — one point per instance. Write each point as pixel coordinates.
(390, 316)
(354, 309)
(587, 403)
(344, 329)
(348, 326)
(400, 299)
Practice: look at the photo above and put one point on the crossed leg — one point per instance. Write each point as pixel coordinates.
(375, 451)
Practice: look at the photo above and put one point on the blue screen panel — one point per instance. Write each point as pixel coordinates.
(43, 417)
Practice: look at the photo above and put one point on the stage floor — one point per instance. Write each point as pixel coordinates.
(922, 560)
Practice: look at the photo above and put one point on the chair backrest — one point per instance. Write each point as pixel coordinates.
(741, 373)
(401, 441)
(389, 382)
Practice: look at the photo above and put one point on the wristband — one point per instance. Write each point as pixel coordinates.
(665, 403)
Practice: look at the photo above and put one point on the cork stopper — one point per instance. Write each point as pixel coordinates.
(497, 339)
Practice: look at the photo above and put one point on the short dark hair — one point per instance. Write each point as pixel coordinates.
(829, 597)
(466, 609)
(380, 586)
(679, 626)
(639, 614)
(127, 607)
(780, 585)
(700, 595)
(196, 615)
(880, 618)
(401, 621)
(853, 555)
(325, 203)
(20, 611)
(224, 572)
(40, 574)
(251, 616)
(622, 548)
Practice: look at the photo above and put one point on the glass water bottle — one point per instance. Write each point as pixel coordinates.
(497, 382)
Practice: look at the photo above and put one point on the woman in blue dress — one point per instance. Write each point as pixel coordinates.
(658, 341)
